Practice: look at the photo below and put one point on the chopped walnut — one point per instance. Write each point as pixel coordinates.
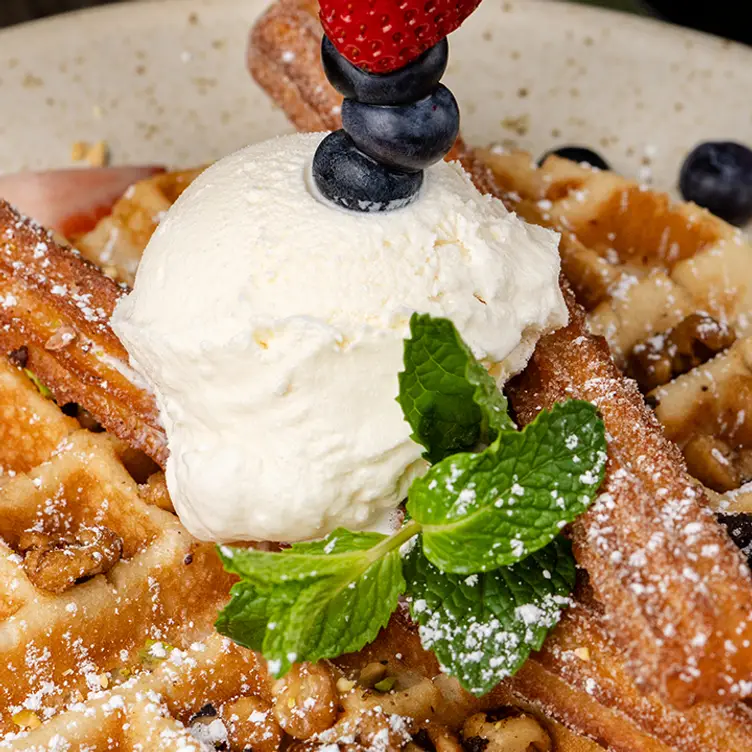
(370, 720)
(57, 565)
(306, 701)
(251, 725)
(344, 685)
(440, 738)
(376, 728)
(735, 419)
(155, 492)
(694, 341)
(208, 729)
(507, 730)
(35, 539)
(713, 463)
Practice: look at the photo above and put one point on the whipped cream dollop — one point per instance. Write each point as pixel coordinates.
(270, 326)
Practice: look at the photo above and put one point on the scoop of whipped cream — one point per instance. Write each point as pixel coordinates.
(270, 326)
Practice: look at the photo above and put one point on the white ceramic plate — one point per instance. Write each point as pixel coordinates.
(165, 81)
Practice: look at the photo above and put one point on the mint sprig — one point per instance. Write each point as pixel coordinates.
(315, 600)
(483, 511)
(482, 628)
(448, 398)
(489, 574)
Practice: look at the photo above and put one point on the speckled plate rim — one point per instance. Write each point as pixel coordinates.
(28, 141)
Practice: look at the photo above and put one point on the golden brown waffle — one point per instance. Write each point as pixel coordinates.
(55, 309)
(659, 261)
(116, 244)
(99, 656)
(119, 655)
(60, 481)
(670, 288)
(70, 613)
(580, 677)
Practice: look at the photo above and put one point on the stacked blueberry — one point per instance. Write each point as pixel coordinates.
(395, 125)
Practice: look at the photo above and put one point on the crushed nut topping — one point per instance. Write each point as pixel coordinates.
(305, 702)
(713, 462)
(692, 342)
(57, 565)
(372, 674)
(251, 724)
(512, 732)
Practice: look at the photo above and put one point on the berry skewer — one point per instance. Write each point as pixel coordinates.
(387, 58)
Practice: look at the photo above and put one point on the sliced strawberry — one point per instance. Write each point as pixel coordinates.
(70, 201)
(381, 36)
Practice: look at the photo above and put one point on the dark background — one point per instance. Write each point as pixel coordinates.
(16, 11)
(724, 17)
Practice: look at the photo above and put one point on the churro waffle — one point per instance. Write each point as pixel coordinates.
(112, 655)
(87, 663)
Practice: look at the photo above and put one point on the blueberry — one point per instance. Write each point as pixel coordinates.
(409, 84)
(718, 176)
(409, 137)
(577, 154)
(739, 527)
(352, 179)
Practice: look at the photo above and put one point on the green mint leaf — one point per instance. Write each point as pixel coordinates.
(483, 627)
(244, 619)
(483, 511)
(315, 600)
(338, 552)
(449, 399)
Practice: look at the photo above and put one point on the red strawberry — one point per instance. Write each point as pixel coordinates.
(382, 36)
